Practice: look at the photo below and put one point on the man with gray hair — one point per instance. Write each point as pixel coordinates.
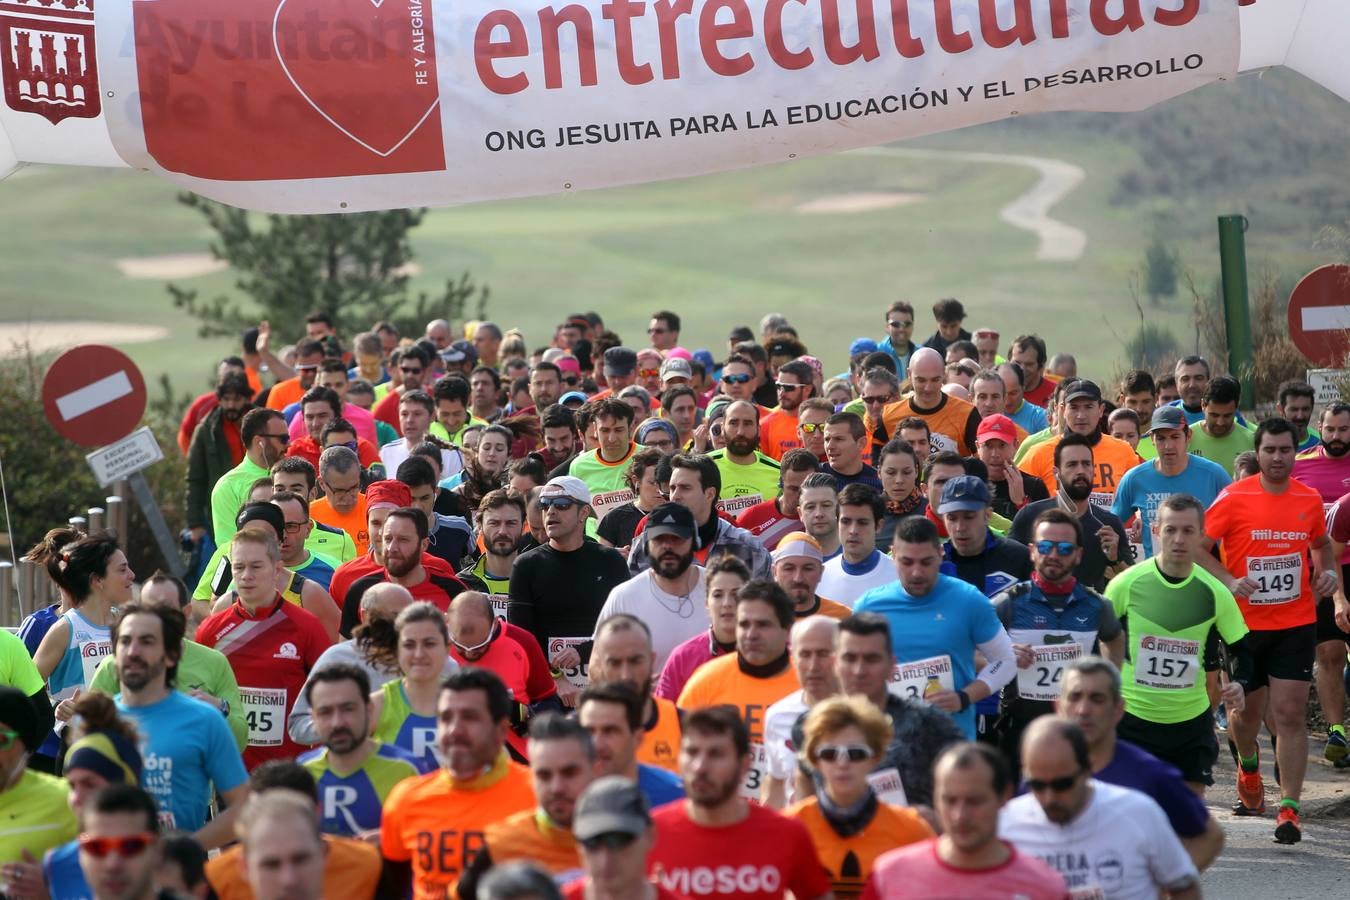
(1090, 696)
(1106, 841)
(342, 505)
(811, 646)
(439, 333)
(380, 605)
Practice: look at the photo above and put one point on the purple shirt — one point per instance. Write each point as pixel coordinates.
(1134, 767)
(683, 660)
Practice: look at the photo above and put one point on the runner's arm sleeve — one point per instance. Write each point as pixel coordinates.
(1108, 626)
(223, 762)
(972, 429)
(1241, 664)
(42, 707)
(1000, 665)
(520, 600)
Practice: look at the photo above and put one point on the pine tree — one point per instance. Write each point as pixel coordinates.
(355, 267)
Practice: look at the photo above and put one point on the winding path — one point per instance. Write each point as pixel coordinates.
(1059, 241)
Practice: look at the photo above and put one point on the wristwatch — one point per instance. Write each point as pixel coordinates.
(965, 700)
(225, 708)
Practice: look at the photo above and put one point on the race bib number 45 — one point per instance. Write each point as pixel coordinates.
(1040, 680)
(1279, 579)
(922, 678)
(265, 712)
(1172, 664)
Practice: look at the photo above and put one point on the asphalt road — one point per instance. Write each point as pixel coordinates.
(1254, 866)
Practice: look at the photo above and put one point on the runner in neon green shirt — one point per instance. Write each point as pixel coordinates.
(748, 476)
(265, 437)
(604, 468)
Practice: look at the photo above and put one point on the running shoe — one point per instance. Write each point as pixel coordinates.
(1288, 829)
(1251, 794)
(1337, 746)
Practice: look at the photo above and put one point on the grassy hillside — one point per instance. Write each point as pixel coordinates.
(724, 249)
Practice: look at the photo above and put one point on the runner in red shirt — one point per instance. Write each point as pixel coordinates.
(614, 828)
(404, 541)
(716, 841)
(271, 645)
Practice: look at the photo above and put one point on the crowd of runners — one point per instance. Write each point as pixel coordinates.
(538, 613)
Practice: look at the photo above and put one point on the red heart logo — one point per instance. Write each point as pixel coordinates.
(366, 66)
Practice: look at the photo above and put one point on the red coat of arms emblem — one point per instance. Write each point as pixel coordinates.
(47, 56)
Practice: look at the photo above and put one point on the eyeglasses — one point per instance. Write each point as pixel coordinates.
(1063, 548)
(126, 846)
(787, 387)
(736, 379)
(854, 753)
(562, 504)
(610, 840)
(649, 373)
(896, 324)
(293, 527)
(7, 738)
(284, 437)
(350, 445)
(342, 492)
(656, 331)
(873, 401)
(1058, 785)
(811, 427)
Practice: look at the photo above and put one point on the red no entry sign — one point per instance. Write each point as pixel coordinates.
(93, 395)
(1319, 315)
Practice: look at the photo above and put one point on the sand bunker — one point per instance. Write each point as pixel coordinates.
(169, 266)
(857, 203)
(43, 336)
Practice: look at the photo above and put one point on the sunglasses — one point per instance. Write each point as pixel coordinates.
(126, 847)
(854, 753)
(1063, 548)
(873, 401)
(409, 371)
(562, 504)
(7, 739)
(284, 437)
(492, 632)
(736, 379)
(894, 324)
(811, 427)
(649, 373)
(1058, 785)
(787, 387)
(612, 840)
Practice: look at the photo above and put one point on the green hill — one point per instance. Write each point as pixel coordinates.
(724, 249)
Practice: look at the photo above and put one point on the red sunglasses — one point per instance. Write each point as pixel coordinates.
(126, 847)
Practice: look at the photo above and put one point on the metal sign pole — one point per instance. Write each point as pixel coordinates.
(168, 547)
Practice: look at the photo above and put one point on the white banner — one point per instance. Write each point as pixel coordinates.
(345, 105)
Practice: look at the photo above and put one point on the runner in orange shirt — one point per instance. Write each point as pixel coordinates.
(1112, 457)
(756, 676)
(343, 505)
(778, 430)
(1266, 527)
(433, 825)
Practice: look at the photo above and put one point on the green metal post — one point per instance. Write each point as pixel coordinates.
(1236, 309)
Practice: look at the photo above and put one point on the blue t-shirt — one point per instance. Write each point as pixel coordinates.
(1144, 488)
(34, 628)
(949, 621)
(353, 803)
(186, 747)
(317, 571)
(659, 785)
(1030, 418)
(1133, 767)
(65, 878)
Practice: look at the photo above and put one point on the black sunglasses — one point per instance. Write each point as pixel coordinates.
(1058, 785)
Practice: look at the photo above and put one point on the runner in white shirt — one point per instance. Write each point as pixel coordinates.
(811, 644)
(861, 566)
(669, 597)
(1108, 842)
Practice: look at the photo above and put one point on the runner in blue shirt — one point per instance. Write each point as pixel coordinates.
(1173, 471)
(937, 623)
